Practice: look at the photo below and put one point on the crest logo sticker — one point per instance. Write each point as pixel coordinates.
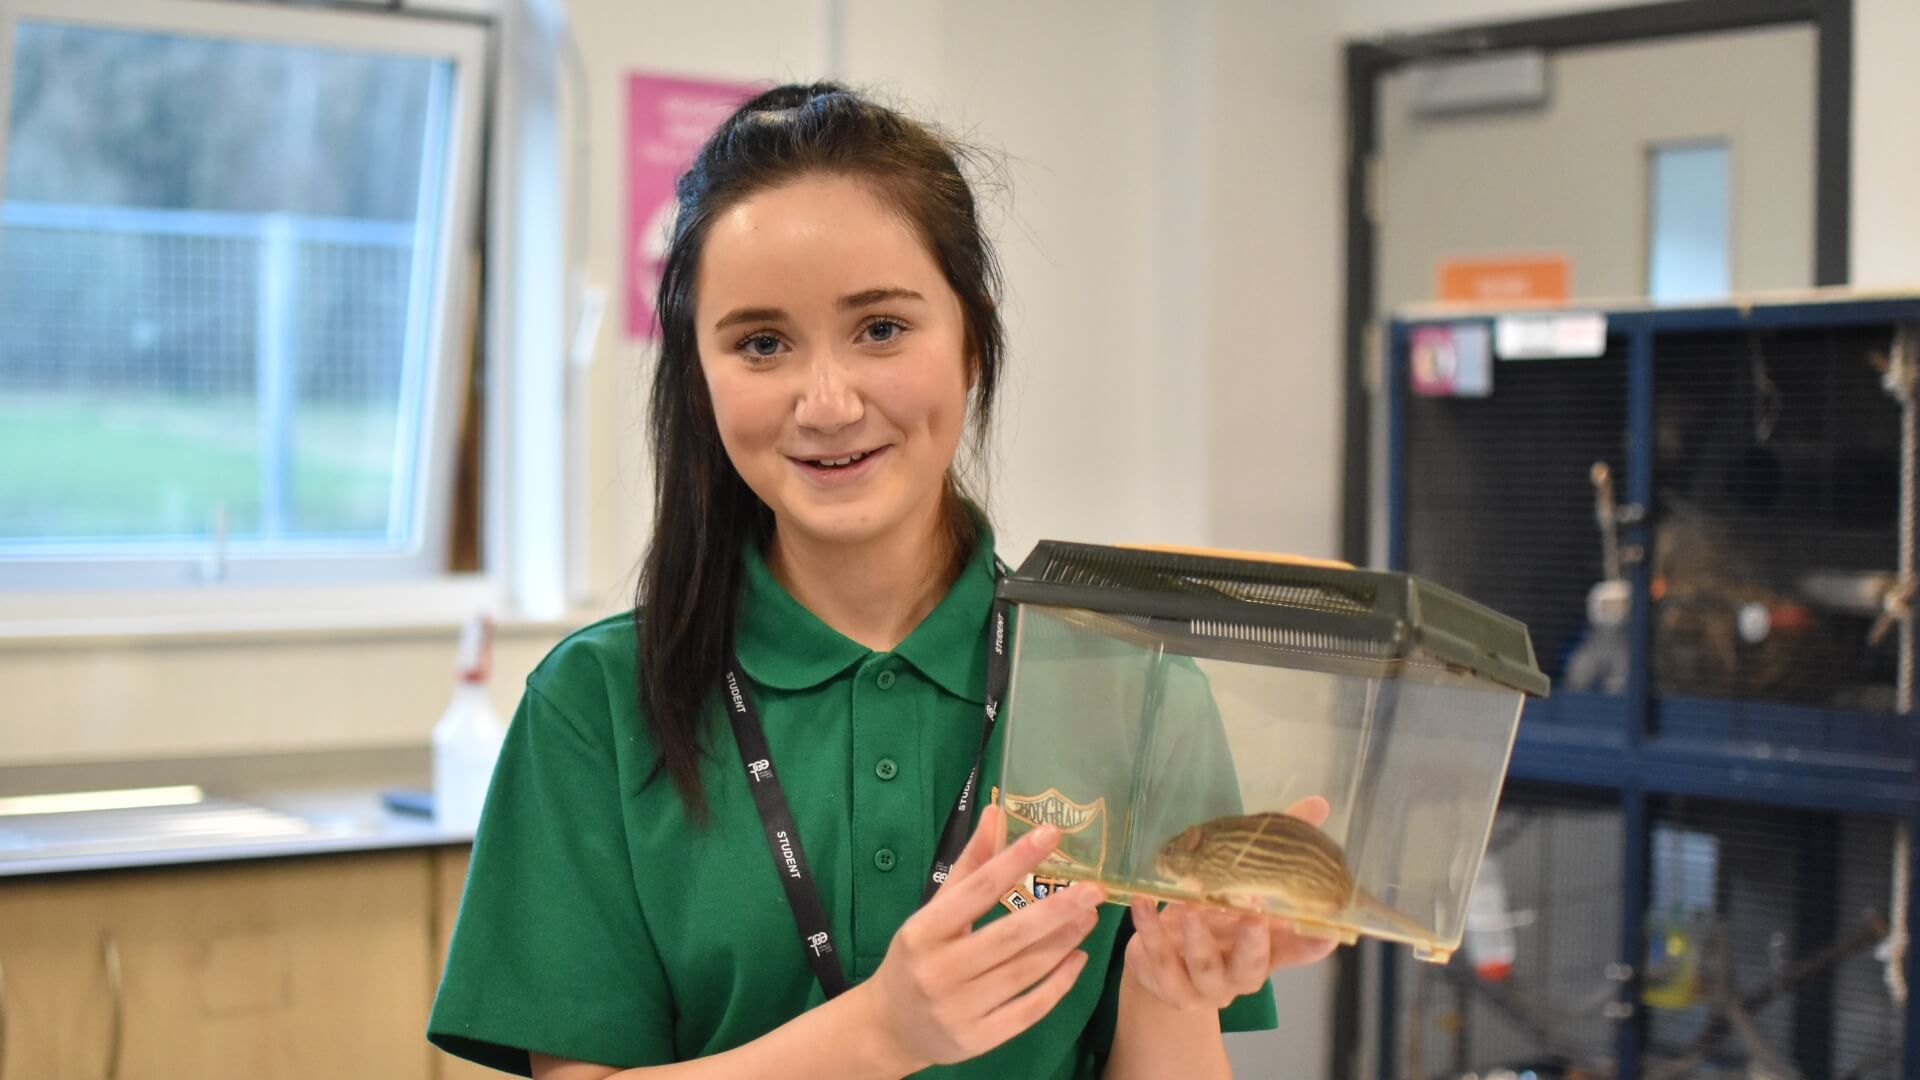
(1083, 826)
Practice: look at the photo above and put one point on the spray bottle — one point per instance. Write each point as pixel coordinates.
(466, 741)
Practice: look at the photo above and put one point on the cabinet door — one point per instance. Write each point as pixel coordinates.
(281, 970)
(292, 969)
(54, 990)
(450, 878)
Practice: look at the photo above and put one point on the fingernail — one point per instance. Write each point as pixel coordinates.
(1046, 836)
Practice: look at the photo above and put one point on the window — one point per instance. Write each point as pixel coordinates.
(1688, 224)
(235, 248)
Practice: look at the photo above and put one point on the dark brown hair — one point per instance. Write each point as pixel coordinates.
(704, 513)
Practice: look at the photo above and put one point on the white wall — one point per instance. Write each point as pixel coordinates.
(1886, 143)
(1276, 275)
(1885, 238)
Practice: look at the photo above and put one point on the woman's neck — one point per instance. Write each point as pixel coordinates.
(874, 592)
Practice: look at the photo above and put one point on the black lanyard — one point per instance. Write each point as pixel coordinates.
(783, 837)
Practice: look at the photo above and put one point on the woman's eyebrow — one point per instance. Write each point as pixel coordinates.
(861, 299)
(874, 296)
(750, 315)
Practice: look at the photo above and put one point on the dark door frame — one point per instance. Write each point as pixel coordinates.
(1367, 61)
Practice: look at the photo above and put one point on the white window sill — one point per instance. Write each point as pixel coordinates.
(76, 619)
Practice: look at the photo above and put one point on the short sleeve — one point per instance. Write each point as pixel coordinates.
(550, 952)
(1197, 772)
(1255, 1012)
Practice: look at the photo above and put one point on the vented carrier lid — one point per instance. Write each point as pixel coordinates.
(1351, 621)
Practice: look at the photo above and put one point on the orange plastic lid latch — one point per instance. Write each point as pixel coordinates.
(1255, 556)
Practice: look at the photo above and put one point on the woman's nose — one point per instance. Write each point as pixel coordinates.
(828, 399)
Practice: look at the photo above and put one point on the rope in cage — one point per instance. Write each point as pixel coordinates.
(1898, 371)
(1892, 952)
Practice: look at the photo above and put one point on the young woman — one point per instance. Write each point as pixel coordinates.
(709, 842)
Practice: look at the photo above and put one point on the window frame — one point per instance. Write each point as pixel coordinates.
(84, 597)
(1657, 257)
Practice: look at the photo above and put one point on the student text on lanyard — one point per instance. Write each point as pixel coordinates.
(783, 837)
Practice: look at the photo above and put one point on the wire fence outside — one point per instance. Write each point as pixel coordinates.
(164, 373)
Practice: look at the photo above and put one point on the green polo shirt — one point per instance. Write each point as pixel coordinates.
(600, 923)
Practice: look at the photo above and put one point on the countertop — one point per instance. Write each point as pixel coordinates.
(334, 798)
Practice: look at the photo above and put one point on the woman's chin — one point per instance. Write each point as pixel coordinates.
(845, 523)
(835, 525)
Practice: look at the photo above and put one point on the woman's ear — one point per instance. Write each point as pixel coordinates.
(970, 346)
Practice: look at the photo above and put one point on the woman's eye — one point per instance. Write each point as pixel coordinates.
(760, 346)
(882, 331)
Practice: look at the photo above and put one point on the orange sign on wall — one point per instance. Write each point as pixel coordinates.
(1504, 279)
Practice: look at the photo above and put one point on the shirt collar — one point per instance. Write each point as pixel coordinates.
(949, 645)
(784, 646)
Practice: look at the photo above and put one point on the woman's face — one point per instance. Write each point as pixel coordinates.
(833, 350)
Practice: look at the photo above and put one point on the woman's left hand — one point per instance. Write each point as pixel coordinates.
(1192, 957)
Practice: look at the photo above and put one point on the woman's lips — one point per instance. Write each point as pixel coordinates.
(841, 475)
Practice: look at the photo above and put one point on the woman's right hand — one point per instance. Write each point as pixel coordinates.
(946, 992)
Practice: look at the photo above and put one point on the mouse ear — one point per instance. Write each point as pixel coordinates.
(1189, 840)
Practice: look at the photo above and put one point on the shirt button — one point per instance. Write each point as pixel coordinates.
(883, 859)
(885, 681)
(887, 769)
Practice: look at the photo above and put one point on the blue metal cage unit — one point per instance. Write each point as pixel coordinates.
(1763, 456)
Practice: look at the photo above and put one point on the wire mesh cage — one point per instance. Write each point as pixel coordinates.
(1539, 432)
(1775, 532)
(1772, 541)
(128, 329)
(1764, 955)
(1530, 991)
(1711, 530)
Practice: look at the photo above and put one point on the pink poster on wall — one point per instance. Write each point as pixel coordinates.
(667, 120)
